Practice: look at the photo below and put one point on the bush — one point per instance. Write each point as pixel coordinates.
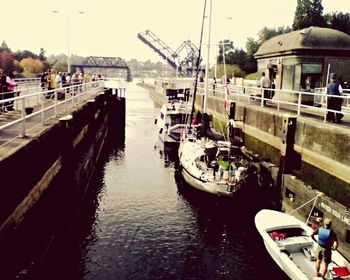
(251, 76)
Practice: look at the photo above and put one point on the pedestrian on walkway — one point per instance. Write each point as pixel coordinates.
(11, 85)
(334, 100)
(265, 84)
(3, 90)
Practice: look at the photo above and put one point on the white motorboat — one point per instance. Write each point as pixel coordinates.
(289, 243)
(172, 121)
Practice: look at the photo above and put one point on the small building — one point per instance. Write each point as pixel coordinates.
(302, 60)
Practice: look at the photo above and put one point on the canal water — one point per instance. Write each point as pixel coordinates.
(140, 221)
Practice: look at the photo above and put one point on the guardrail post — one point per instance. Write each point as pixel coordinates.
(55, 105)
(326, 111)
(23, 132)
(42, 109)
(262, 98)
(299, 103)
(278, 100)
(65, 92)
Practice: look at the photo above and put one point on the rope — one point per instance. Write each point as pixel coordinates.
(315, 198)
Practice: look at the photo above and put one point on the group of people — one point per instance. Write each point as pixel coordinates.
(7, 91)
(52, 79)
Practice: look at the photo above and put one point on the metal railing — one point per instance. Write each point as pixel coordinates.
(312, 103)
(27, 81)
(34, 109)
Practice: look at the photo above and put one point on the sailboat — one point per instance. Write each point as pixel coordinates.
(206, 163)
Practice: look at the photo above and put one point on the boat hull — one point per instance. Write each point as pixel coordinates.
(208, 187)
(290, 252)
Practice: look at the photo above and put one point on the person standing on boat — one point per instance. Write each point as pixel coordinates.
(327, 241)
(223, 165)
(265, 84)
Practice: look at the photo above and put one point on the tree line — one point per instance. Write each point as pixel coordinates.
(307, 13)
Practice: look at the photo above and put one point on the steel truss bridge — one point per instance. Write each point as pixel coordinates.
(106, 63)
(184, 58)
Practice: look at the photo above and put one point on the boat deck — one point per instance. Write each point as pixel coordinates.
(305, 265)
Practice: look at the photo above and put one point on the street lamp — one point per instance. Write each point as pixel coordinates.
(68, 36)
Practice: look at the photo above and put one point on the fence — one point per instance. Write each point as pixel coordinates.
(312, 103)
(34, 109)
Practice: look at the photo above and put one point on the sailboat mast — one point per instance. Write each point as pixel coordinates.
(205, 118)
(207, 65)
(198, 63)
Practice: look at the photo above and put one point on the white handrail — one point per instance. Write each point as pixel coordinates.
(44, 99)
(285, 97)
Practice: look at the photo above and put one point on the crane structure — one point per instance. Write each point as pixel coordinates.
(184, 58)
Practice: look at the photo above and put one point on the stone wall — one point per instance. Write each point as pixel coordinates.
(73, 144)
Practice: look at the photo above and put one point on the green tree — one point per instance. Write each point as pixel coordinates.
(31, 66)
(339, 21)
(20, 55)
(6, 61)
(61, 65)
(267, 33)
(225, 47)
(4, 47)
(308, 13)
(42, 56)
(231, 71)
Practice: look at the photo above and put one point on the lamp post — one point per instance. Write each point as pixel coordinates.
(68, 36)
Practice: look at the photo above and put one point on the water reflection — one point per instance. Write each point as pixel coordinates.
(139, 220)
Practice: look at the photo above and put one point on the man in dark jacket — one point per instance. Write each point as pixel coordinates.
(334, 100)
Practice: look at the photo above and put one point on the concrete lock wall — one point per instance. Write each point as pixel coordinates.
(73, 143)
(297, 159)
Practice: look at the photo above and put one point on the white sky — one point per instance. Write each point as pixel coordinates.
(110, 27)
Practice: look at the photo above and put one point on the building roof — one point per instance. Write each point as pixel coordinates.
(312, 40)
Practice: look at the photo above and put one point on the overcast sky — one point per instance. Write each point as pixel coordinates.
(110, 27)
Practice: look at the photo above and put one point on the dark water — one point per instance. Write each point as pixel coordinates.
(141, 222)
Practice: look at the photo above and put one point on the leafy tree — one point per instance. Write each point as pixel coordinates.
(231, 71)
(17, 67)
(339, 21)
(267, 33)
(6, 61)
(31, 66)
(316, 13)
(308, 13)
(61, 65)
(252, 46)
(42, 56)
(20, 55)
(4, 47)
(226, 47)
